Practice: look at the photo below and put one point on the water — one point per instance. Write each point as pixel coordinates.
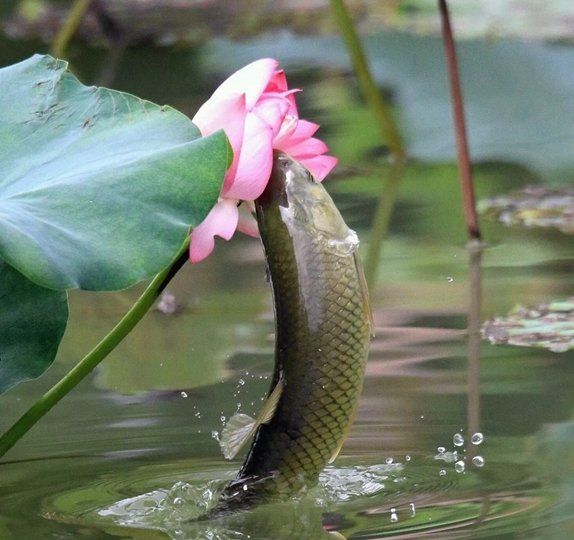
(446, 444)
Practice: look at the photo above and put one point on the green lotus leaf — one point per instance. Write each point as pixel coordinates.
(32, 323)
(98, 188)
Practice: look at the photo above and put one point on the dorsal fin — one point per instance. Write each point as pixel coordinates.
(240, 427)
(364, 291)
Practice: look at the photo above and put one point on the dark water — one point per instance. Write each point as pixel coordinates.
(133, 450)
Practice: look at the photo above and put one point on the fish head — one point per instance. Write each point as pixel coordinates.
(305, 205)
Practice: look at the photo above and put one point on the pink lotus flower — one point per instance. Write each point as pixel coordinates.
(258, 114)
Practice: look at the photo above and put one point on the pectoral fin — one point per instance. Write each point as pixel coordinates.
(241, 427)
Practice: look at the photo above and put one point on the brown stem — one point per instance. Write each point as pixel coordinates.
(459, 124)
(473, 375)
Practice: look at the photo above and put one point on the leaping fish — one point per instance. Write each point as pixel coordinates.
(323, 330)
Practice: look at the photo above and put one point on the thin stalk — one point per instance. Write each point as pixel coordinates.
(459, 124)
(473, 323)
(95, 356)
(370, 91)
(380, 225)
(70, 27)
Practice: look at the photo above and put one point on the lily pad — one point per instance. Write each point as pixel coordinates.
(98, 188)
(534, 206)
(549, 326)
(32, 323)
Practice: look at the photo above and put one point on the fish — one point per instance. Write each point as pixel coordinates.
(323, 331)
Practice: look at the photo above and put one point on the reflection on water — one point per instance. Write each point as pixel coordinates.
(130, 453)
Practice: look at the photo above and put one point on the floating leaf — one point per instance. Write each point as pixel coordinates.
(534, 206)
(550, 326)
(32, 323)
(98, 188)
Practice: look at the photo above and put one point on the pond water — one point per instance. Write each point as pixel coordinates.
(454, 437)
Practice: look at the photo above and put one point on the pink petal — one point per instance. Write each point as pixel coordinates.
(218, 113)
(221, 221)
(303, 131)
(309, 148)
(228, 114)
(278, 84)
(272, 110)
(247, 223)
(255, 161)
(250, 80)
(287, 128)
(319, 166)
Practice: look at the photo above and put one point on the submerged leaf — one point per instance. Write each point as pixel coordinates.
(550, 326)
(98, 188)
(534, 206)
(32, 323)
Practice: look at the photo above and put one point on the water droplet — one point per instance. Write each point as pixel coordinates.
(450, 279)
(442, 472)
(215, 435)
(441, 449)
(407, 458)
(412, 509)
(458, 439)
(244, 487)
(478, 461)
(184, 394)
(459, 466)
(422, 415)
(394, 517)
(178, 501)
(241, 382)
(389, 460)
(222, 418)
(477, 438)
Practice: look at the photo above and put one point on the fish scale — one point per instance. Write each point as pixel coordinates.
(323, 329)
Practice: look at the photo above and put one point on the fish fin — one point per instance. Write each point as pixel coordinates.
(337, 450)
(241, 427)
(270, 405)
(337, 535)
(364, 291)
(235, 433)
(345, 434)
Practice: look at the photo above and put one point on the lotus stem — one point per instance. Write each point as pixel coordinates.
(464, 166)
(369, 89)
(69, 28)
(96, 355)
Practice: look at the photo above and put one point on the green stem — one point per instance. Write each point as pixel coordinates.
(380, 225)
(371, 92)
(95, 356)
(70, 27)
